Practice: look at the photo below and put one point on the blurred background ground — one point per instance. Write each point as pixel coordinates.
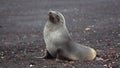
(94, 23)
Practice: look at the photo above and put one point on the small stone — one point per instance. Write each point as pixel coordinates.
(118, 43)
(110, 65)
(73, 67)
(32, 65)
(113, 62)
(95, 20)
(13, 52)
(57, 59)
(42, 50)
(44, 66)
(87, 28)
(24, 36)
(105, 66)
(117, 55)
(118, 34)
(2, 57)
(74, 20)
(68, 65)
(71, 62)
(99, 59)
(94, 31)
(92, 26)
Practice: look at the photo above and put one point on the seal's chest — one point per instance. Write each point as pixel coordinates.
(55, 36)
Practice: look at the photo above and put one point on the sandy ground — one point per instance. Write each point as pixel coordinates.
(94, 23)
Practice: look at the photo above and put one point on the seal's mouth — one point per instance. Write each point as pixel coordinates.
(51, 17)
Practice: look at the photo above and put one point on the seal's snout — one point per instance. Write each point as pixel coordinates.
(51, 16)
(50, 13)
(53, 12)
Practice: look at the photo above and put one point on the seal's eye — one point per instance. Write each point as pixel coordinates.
(58, 18)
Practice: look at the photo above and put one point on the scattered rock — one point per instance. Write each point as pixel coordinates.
(87, 28)
(68, 65)
(31, 64)
(105, 66)
(44, 66)
(99, 59)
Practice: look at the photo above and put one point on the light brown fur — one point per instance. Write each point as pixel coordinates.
(59, 44)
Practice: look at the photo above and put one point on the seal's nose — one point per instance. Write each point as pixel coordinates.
(53, 12)
(50, 13)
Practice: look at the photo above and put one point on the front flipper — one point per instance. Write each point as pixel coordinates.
(47, 55)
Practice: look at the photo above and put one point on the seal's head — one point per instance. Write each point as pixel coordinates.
(56, 17)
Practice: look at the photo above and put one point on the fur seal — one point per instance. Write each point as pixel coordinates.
(59, 43)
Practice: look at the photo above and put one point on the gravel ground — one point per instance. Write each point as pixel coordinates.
(94, 23)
